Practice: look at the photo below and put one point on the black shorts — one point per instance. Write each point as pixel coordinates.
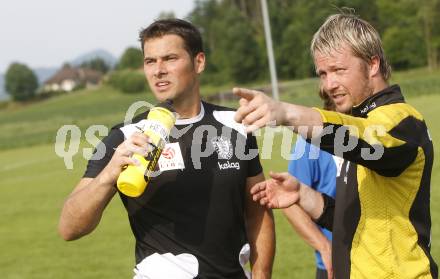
(321, 273)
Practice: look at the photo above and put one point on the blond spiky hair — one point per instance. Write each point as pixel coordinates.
(347, 29)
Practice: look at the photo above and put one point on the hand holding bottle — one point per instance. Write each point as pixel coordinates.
(133, 180)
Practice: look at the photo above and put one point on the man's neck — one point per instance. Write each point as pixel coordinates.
(379, 85)
(187, 108)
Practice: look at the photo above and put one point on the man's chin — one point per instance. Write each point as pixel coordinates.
(161, 97)
(343, 108)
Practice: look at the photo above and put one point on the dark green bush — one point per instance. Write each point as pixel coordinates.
(128, 81)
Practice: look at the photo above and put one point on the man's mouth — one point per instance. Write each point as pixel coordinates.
(162, 85)
(338, 97)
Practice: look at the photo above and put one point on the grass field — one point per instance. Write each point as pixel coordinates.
(34, 182)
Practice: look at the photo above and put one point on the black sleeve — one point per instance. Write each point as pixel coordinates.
(103, 153)
(326, 218)
(393, 159)
(390, 153)
(254, 166)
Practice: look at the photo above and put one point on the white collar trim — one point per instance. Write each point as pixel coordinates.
(194, 119)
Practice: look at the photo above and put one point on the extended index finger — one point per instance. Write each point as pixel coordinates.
(248, 94)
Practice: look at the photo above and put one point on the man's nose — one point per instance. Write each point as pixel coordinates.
(160, 69)
(331, 83)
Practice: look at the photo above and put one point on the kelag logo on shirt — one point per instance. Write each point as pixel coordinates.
(224, 149)
(229, 165)
(223, 146)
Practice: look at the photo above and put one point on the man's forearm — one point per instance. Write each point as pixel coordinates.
(260, 228)
(311, 201)
(305, 227)
(261, 236)
(296, 116)
(83, 209)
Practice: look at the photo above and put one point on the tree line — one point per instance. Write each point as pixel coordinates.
(233, 35)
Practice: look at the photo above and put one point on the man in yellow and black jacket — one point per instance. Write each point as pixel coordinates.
(380, 217)
(381, 222)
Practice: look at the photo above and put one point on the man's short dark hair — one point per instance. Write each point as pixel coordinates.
(189, 33)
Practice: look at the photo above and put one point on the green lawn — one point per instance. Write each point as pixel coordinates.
(34, 183)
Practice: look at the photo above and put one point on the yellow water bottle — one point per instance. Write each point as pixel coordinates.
(133, 180)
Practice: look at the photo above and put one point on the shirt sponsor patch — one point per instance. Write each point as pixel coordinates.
(223, 146)
(171, 157)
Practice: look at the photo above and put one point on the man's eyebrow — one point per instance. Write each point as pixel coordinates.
(162, 57)
(169, 54)
(329, 67)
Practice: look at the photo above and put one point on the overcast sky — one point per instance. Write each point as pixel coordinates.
(46, 33)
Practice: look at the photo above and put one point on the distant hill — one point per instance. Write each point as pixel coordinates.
(44, 74)
(98, 53)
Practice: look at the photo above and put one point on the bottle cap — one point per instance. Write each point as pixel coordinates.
(167, 104)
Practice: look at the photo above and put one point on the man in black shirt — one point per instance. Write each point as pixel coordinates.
(195, 217)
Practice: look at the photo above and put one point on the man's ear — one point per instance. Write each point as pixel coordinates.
(374, 66)
(199, 62)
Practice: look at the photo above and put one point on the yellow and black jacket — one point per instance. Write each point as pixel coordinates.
(380, 218)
